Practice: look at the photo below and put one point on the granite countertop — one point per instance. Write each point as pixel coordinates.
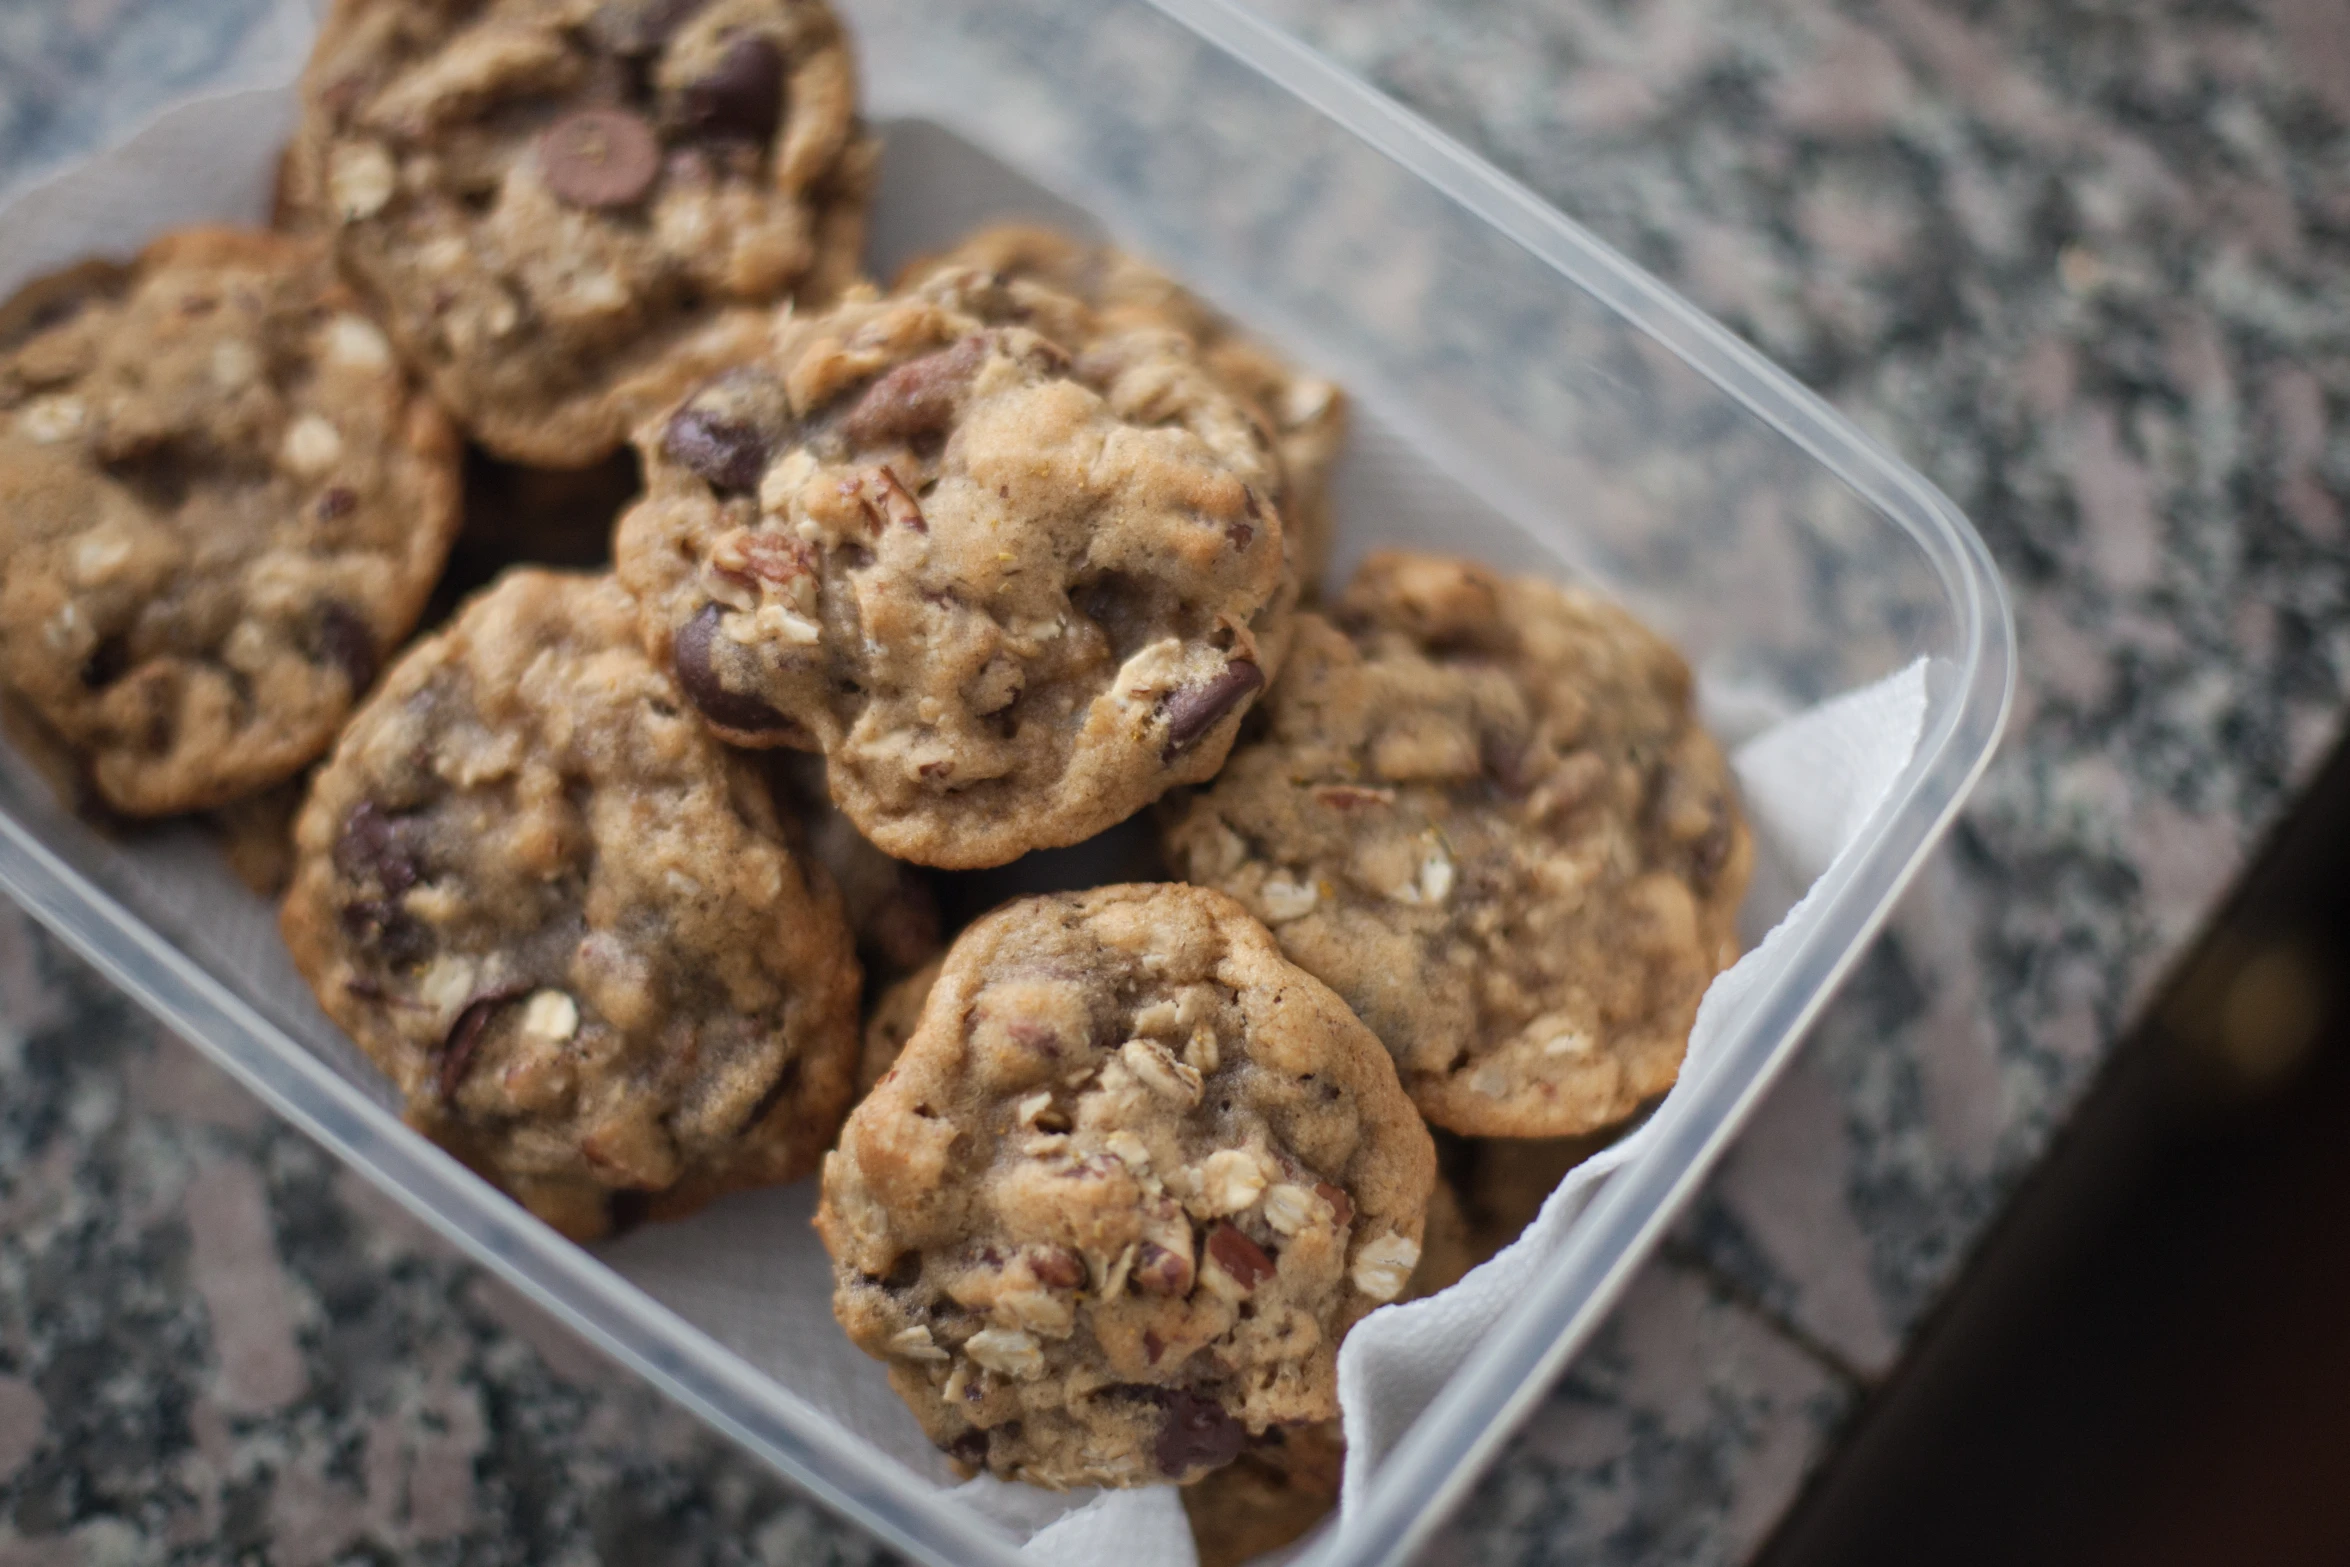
(2083, 263)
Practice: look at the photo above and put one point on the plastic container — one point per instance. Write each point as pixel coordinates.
(1525, 395)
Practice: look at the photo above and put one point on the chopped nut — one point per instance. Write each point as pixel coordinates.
(1160, 1072)
(1113, 1277)
(1289, 1208)
(360, 180)
(550, 1015)
(49, 420)
(1010, 1352)
(1230, 1181)
(775, 621)
(1243, 1260)
(1039, 1311)
(1436, 877)
(355, 343)
(1036, 1104)
(1341, 1206)
(312, 446)
(914, 1344)
(234, 365)
(1158, 1270)
(1568, 1042)
(1128, 1149)
(1285, 899)
(1384, 1266)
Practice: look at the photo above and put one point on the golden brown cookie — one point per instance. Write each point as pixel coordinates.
(1127, 1187)
(571, 211)
(1484, 813)
(1012, 595)
(222, 504)
(1304, 416)
(568, 924)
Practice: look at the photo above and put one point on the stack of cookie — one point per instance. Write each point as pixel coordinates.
(629, 880)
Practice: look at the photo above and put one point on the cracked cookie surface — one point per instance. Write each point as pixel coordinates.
(571, 211)
(222, 503)
(568, 924)
(1129, 1183)
(1012, 591)
(1304, 416)
(1484, 813)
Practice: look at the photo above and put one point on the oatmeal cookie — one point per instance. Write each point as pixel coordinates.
(1484, 814)
(221, 504)
(1130, 1183)
(571, 211)
(568, 924)
(1303, 416)
(1011, 593)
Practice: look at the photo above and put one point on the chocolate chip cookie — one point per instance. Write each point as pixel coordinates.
(1303, 416)
(1484, 814)
(568, 924)
(1013, 593)
(222, 503)
(571, 211)
(1130, 1183)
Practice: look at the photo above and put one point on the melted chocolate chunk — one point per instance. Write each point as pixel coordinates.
(742, 96)
(1194, 710)
(730, 454)
(600, 157)
(697, 674)
(1196, 1435)
(377, 846)
(917, 398)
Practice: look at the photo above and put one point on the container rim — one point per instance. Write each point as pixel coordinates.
(1454, 1439)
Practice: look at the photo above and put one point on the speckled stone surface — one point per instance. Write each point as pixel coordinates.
(2083, 264)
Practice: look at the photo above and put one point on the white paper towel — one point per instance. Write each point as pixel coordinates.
(1810, 785)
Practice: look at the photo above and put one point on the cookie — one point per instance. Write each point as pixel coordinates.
(1303, 416)
(567, 924)
(1484, 814)
(1131, 1181)
(222, 504)
(571, 211)
(1012, 593)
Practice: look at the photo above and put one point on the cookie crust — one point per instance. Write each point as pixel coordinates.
(1130, 1182)
(571, 211)
(568, 924)
(222, 504)
(1484, 813)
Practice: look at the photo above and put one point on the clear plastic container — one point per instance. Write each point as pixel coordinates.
(1525, 395)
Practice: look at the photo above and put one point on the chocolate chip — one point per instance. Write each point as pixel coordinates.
(464, 1041)
(743, 93)
(600, 157)
(917, 398)
(1194, 710)
(1338, 1200)
(387, 932)
(376, 845)
(697, 674)
(343, 639)
(730, 454)
(339, 500)
(1239, 1256)
(1196, 1434)
(968, 1447)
